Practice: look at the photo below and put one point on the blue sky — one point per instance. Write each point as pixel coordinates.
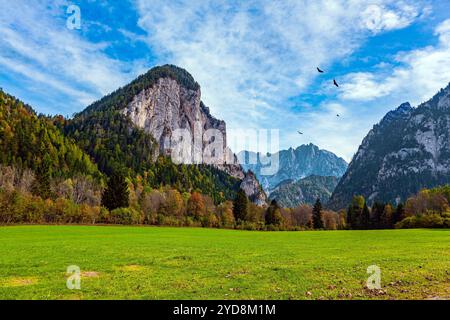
(255, 60)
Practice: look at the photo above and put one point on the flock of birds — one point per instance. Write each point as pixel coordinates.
(335, 83)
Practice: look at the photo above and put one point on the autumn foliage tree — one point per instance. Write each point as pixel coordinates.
(196, 206)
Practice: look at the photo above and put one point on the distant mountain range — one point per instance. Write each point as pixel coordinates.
(294, 164)
(407, 151)
(290, 194)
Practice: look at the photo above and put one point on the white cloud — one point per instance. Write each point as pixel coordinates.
(420, 74)
(379, 17)
(36, 44)
(252, 56)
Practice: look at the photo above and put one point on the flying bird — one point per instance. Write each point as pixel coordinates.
(338, 115)
(320, 71)
(300, 132)
(335, 83)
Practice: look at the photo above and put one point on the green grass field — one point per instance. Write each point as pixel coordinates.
(171, 263)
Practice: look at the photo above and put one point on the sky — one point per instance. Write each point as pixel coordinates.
(255, 60)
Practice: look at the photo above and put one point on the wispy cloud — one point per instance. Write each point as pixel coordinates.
(419, 74)
(251, 57)
(36, 44)
(255, 59)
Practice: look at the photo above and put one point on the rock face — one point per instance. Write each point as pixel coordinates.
(253, 190)
(184, 128)
(168, 106)
(290, 194)
(294, 164)
(407, 151)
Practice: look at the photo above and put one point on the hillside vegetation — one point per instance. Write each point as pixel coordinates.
(29, 141)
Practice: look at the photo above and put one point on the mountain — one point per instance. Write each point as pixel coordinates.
(290, 194)
(155, 126)
(407, 151)
(293, 164)
(29, 141)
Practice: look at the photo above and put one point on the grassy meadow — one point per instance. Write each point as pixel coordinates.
(189, 263)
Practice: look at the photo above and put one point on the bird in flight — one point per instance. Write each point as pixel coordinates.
(338, 115)
(320, 71)
(300, 132)
(335, 83)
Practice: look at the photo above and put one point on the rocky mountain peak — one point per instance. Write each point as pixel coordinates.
(407, 151)
(402, 112)
(440, 101)
(169, 108)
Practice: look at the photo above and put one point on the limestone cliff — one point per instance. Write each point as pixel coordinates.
(175, 116)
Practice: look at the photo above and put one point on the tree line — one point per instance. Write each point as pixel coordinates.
(125, 200)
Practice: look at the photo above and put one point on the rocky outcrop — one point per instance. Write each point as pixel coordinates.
(253, 190)
(185, 129)
(168, 106)
(407, 151)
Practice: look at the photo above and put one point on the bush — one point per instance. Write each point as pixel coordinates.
(210, 221)
(125, 216)
(250, 226)
(104, 215)
(163, 220)
(423, 221)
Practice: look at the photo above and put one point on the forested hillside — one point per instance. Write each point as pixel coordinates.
(115, 143)
(29, 141)
(408, 150)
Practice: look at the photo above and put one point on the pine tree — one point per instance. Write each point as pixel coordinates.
(350, 214)
(365, 217)
(42, 184)
(377, 212)
(355, 215)
(273, 214)
(240, 206)
(399, 214)
(116, 194)
(317, 215)
(386, 217)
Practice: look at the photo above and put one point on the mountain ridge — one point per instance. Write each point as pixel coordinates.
(291, 193)
(416, 155)
(294, 164)
(153, 108)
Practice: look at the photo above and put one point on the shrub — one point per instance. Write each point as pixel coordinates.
(104, 215)
(423, 221)
(125, 216)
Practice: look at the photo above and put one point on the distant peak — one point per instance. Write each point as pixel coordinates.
(401, 112)
(308, 146)
(405, 106)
